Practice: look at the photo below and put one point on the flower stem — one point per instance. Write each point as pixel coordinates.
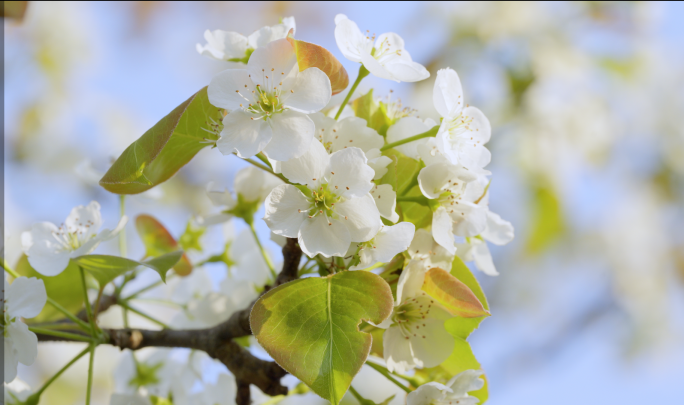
(358, 396)
(149, 287)
(57, 333)
(47, 383)
(427, 134)
(122, 234)
(267, 169)
(411, 184)
(89, 310)
(382, 370)
(89, 387)
(417, 199)
(263, 252)
(125, 305)
(363, 72)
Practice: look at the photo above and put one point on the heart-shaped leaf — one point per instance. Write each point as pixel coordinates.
(311, 327)
(312, 55)
(158, 241)
(106, 268)
(165, 148)
(454, 295)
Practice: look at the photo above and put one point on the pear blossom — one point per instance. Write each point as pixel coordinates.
(407, 127)
(464, 129)
(415, 335)
(456, 190)
(129, 399)
(49, 248)
(455, 392)
(233, 47)
(16, 392)
(216, 307)
(221, 393)
(385, 57)
(24, 298)
(389, 241)
(332, 208)
(386, 206)
(252, 185)
(423, 248)
(268, 102)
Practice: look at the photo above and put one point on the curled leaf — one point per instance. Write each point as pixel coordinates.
(158, 241)
(312, 55)
(456, 297)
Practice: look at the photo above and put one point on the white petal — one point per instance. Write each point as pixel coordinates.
(283, 206)
(404, 128)
(464, 382)
(448, 93)
(431, 344)
(26, 297)
(407, 70)
(432, 179)
(430, 154)
(309, 168)
(24, 341)
(84, 220)
(11, 360)
(498, 231)
(386, 201)
(214, 219)
(422, 244)
(106, 234)
(470, 219)
(310, 92)
(353, 131)
(376, 68)
(292, 135)
(289, 23)
(277, 60)
(324, 128)
(254, 184)
(360, 216)
(221, 198)
(397, 351)
(392, 240)
(479, 127)
(442, 230)
(427, 393)
(349, 174)
(483, 258)
(411, 281)
(318, 236)
(350, 40)
(47, 258)
(227, 89)
(378, 164)
(243, 134)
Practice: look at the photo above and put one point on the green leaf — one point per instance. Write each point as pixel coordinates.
(312, 55)
(401, 174)
(374, 112)
(60, 288)
(158, 241)
(165, 148)
(463, 327)
(311, 327)
(106, 268)
(454, 295)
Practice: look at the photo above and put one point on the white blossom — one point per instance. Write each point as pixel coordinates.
(464, 130)
(337, 208)
(49, 248)
(415, 335)
(423, 248)
(233, 47)
(268, 102)
(455, 392)
(385, 57)
(389, 241)
(386, 201)
(24, 298)
(16, 392)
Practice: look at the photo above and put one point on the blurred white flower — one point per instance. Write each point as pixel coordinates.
(252, 185)
(463, 131)
(233, 47)
(389, 241)
(16, 392)
(129, 399)
(337, 208)
(415, 335)
(268, 102)
(454, 392)
(49, 248)
(24, 298)
(407, 127)
(221, 393)
(385, 57)
(456, 190)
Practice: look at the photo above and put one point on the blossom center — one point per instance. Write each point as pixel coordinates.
(410, 315)
(264, 100)
(72, 238)
(459, 128)
(323, 202)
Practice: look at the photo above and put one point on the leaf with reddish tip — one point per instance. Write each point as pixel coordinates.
(158, 241)
(456, 297)
(312, 55)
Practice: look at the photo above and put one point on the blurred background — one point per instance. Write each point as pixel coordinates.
(586, 102)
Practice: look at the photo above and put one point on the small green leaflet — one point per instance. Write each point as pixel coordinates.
(166, 147)
(311, 327)
(106, 268)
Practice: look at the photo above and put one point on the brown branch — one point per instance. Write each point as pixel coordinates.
(216, 341)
